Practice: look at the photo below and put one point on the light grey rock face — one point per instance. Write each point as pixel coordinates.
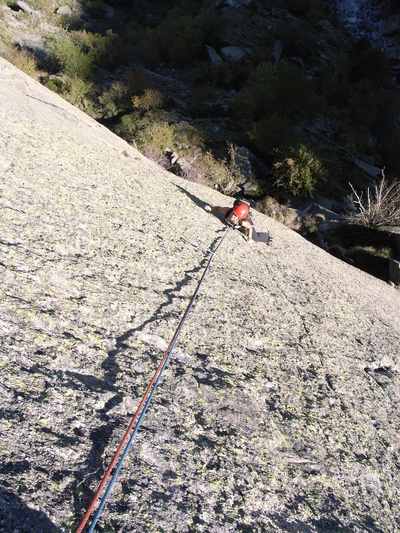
(279, 408)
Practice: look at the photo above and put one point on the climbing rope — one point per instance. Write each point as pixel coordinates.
(141, 410)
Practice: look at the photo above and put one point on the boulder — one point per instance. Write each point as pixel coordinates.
(64, 11)
(213, 55)
(24, 7)
(369, 169)
(233, 54)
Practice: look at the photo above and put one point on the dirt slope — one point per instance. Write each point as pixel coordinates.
(279, 409)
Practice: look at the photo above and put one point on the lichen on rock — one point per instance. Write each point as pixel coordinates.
(279, 408)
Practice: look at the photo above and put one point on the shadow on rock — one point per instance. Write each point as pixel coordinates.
(15, 515)
(100, 436)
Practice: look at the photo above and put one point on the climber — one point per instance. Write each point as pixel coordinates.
(239, 216)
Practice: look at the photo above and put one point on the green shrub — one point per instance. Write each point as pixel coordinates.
(115, 100)
(294, 95)
(302, 7)
(96, 8)
(177, 40)
(157, 134)
(215, 75)
(297, 38)
(309, 225)
(271, 133)
(56, 85)
(128, 127)
(298, 171)
(149, 48)
(78, 93)
(137, 81)
(255, 98)
(25, 61)
(284, 91)
(151, 99)
(222, 173)
(63, 53)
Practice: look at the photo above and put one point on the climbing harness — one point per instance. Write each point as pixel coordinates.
(144, 404)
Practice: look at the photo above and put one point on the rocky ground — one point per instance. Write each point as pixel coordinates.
(279, 408)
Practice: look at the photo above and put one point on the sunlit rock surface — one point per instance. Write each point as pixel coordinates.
(279, 408)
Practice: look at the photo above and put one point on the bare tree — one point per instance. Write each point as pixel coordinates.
(379, 207)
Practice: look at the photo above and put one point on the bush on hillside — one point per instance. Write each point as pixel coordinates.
(159, 135)
(151, 99)
(25, 61)
(376, 208)
(369, 248)
(115, 100)
(298, 171)
(77, 53)
(222, 173)
(255, 98)
(78, 92)
(177, 40)
(302, 7)
(294, 95)
(137, 80)
(215, 75)
(285, 91)
(272, 133)
(62, 53)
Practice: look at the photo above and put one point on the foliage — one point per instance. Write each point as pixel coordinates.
(293, 94)
(298, 171)
(55, 84)
(215, 75)
(25, 61)
(97, 8)
(78, 93)
(115, 100)
(284, 91)
(63, 53)
(158, 134)
(77, 53)
(310, 225)
(222, 173)
(151, 99)
(373, 260)
(177, 40)
(302, 7)
(380, 207)
(297, 38)
(280, 212)
(271, 133)
(136, 79)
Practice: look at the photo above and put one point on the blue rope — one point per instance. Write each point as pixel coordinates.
(125, 453)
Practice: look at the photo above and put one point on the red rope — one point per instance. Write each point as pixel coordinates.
(143, 401)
